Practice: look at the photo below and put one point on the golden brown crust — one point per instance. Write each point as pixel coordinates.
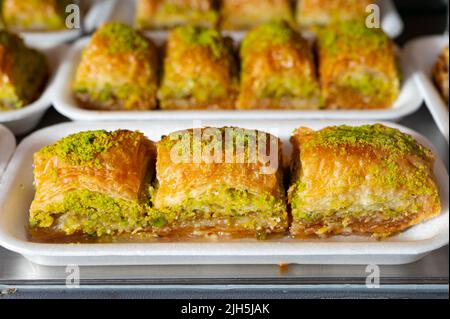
(245, 14)
(357, 67)
(119, 172)
(164, 14)
(198, 75)
(347, 181)
(278, 75)
(440, 74)
(322, 12)
(112, 76)
(178, 181)
(34, 15)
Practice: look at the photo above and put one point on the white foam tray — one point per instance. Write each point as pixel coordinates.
(7, 147)
(17, 193)
(23, 120)
(392, 24)
(424, 52)
(97, 13)
(408, 101)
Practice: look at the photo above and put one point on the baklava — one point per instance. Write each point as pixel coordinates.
(23, 72)
(246, 14)
(278, 70)
(367, 180)
(440, 74)
(357, 67)
(200, 71)
(312, 13)
(93, 183)
(118, 70)
(225, 181)
(165, 14)
(35, 15)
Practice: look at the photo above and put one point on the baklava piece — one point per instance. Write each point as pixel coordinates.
(200, 71)
(278, 70)
(369, 180)
(440, 74)
(357, 67)
(220, 182)
(23, 72)
(165, 14)
(246, 14)
(312, 13)
(35, 15)
(118, 71)
(93, 183)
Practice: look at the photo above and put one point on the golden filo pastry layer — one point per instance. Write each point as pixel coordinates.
(370, 180)
(34, 15)
(246, 14)
(322, 12)
(440, 74)
(207, 177)
(200, 71)
(94, 182)
(164, 14)
(118, 70)
(278, 70)
(357, 67)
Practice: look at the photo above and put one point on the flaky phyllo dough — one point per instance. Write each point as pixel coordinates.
(358, 67)
(95, 183)
(246, 14)
(200, 71)
(204, 187)
(360, 180)
(35, 15)
(278, 70)
(164, 14)
(311, 13)
(118, 70)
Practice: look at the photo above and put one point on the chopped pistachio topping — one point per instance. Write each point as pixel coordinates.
(353, 35)
(199, 36)
(378, 136)
(122, 38)
(82, 147)
(268, 34)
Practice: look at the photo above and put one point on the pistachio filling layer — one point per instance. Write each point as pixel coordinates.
(90, 213)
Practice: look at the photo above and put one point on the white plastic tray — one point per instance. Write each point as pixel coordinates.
(408, 101)
(17, 193)
(98, 11)
(7, 147)
(25, 119)
(424, 52)
(392, 24)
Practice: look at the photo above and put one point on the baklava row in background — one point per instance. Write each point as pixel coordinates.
(245, 14)
(34, 15)
(24, 72)
(231, 182)
(355, 68)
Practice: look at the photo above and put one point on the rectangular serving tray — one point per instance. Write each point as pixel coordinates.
(65, 103)
(17, 192)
